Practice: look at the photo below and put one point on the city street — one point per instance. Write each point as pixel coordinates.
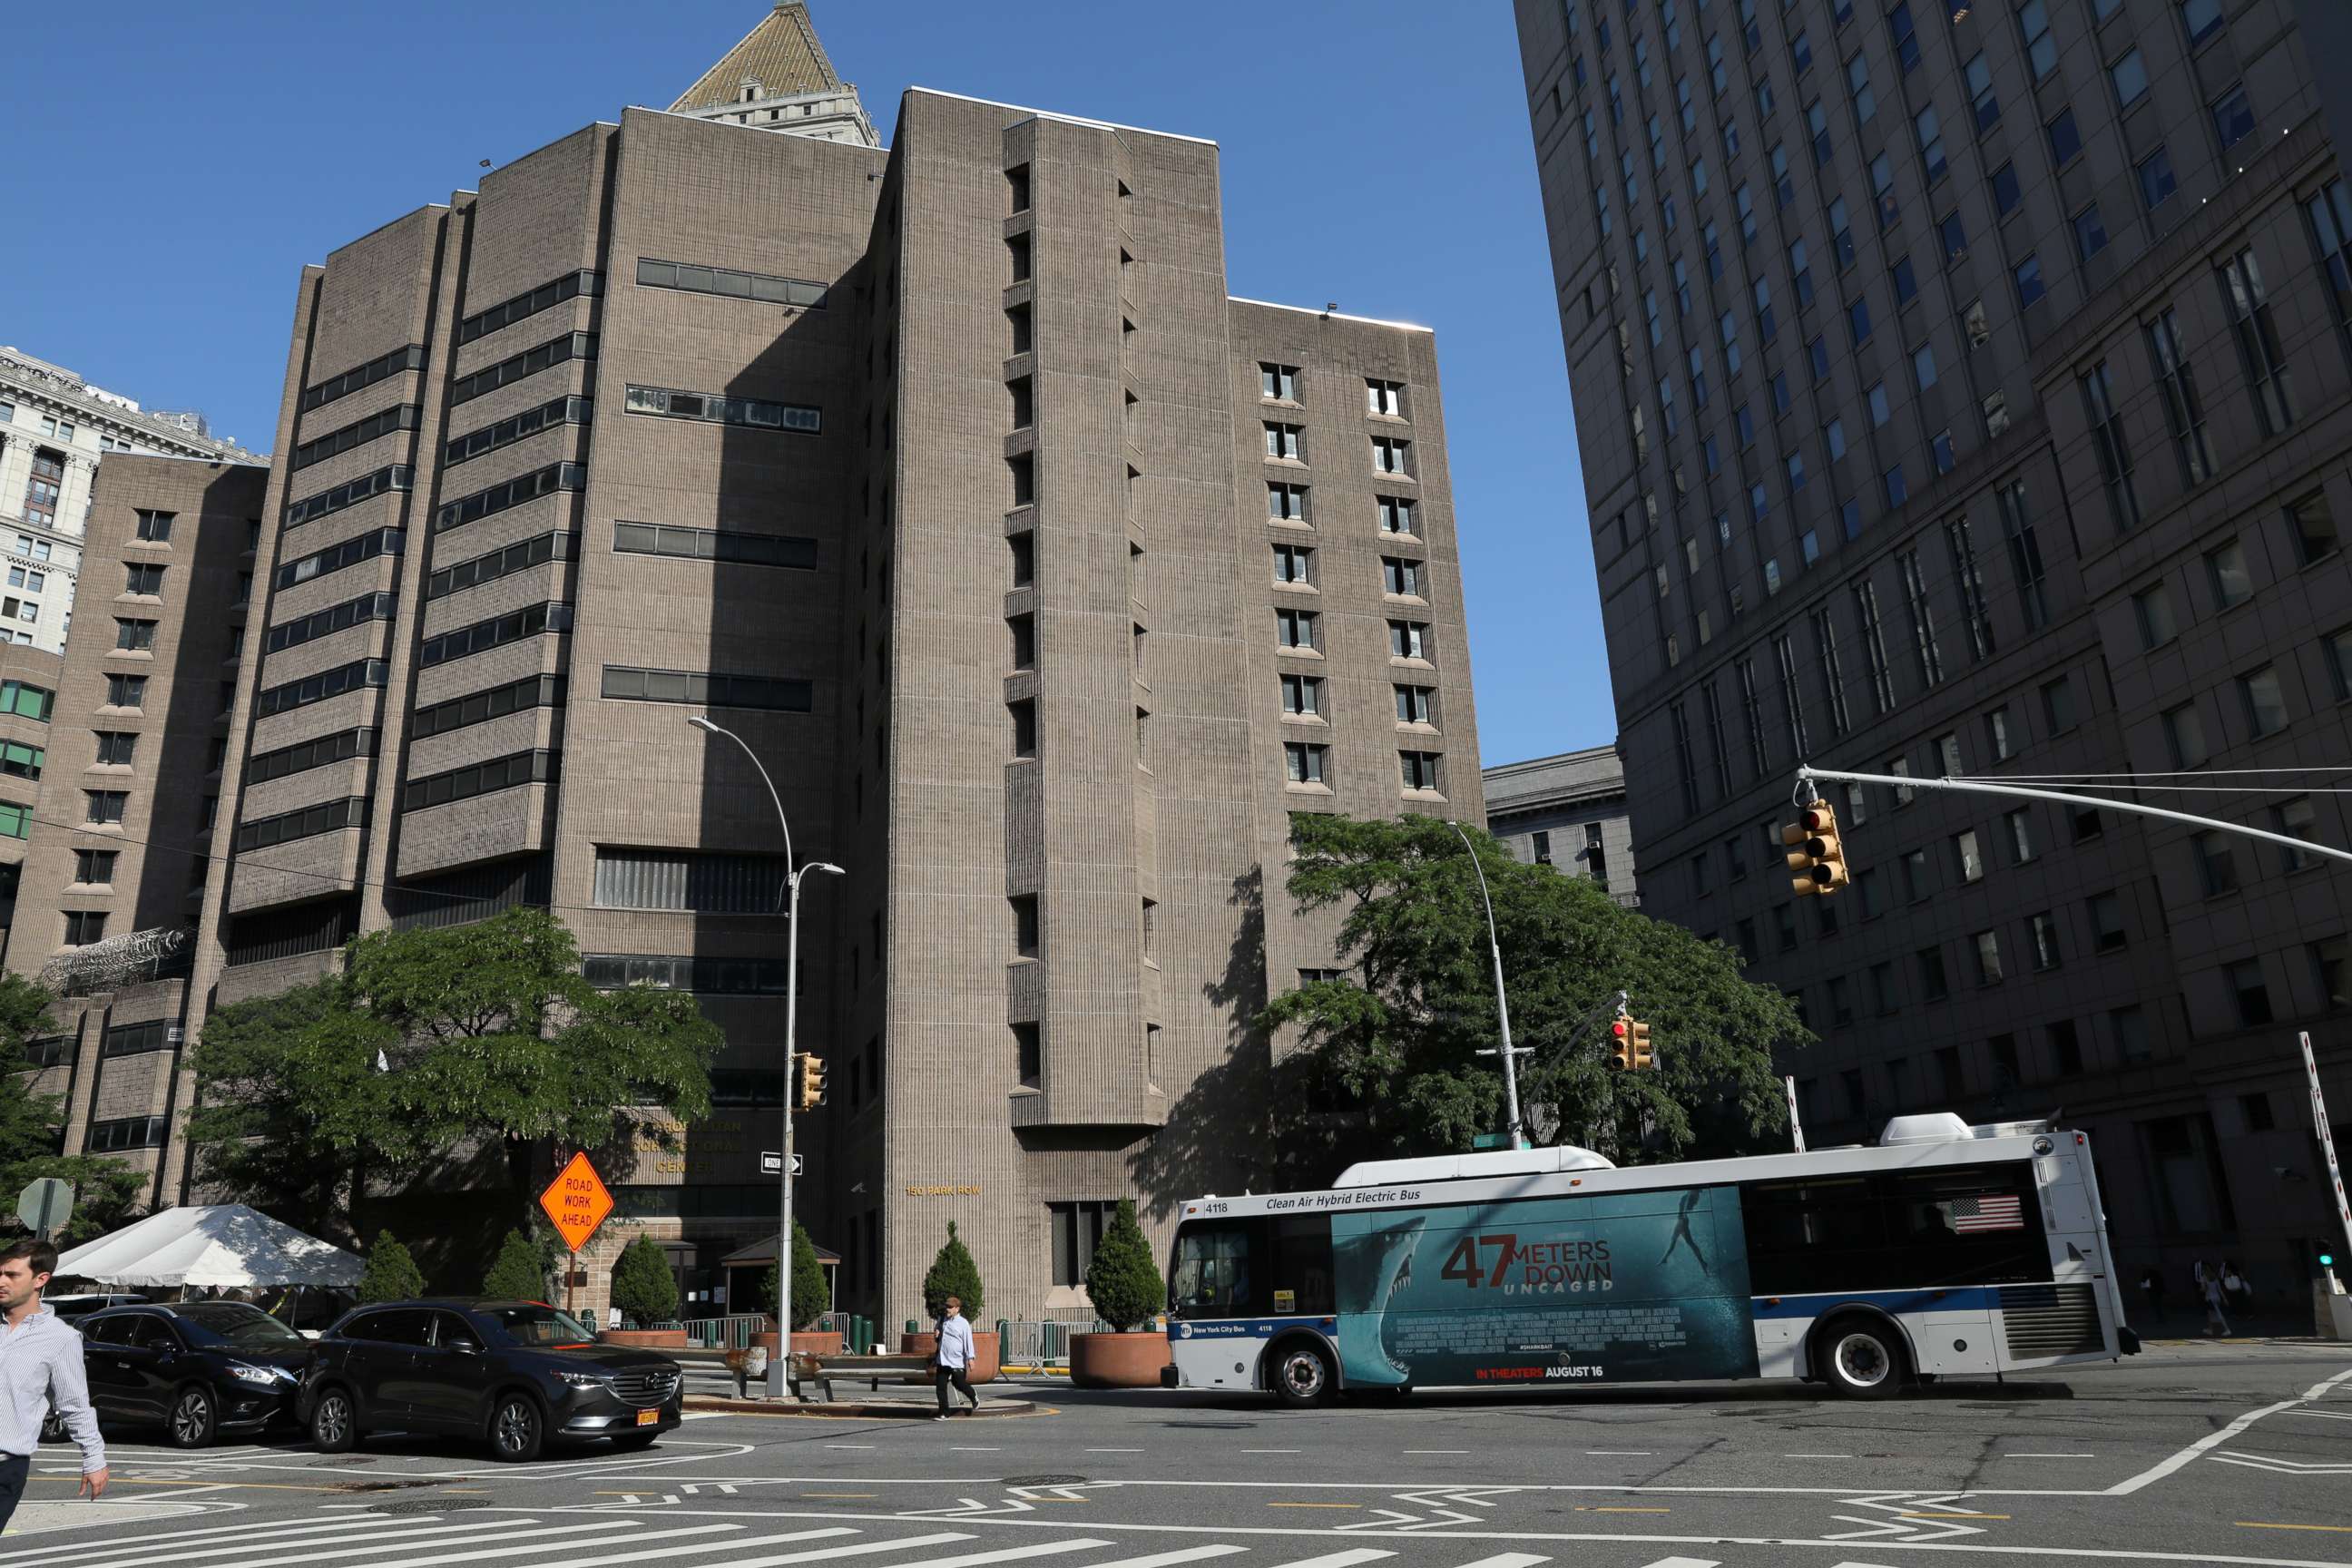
(2202, 1453)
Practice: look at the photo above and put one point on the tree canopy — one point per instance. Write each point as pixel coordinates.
(108, 1194)
(1396, 1035)
(429, 1039)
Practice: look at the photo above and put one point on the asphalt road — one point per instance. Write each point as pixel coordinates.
(2197, 1453)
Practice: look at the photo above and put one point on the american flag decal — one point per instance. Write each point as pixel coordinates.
(1972, 1214)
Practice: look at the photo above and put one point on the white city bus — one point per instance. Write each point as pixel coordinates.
(1945, 1250)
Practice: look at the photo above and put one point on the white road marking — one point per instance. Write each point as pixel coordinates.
(1339, 1558)
(968, 1560)
(2049, 1456)
(1114, 1450)
(862, 1549)
(1529, 1560)
(651, 1552)
(1411, 1451)
(516, 1530)
(1167, 1559)
(1817, 1455)
(2323, 1415)
(2211, 1440)
(859, 1445)
(1269, 1450)
(1690, 1563)
(223, 1532)
(1620, 1453)
(975, 1450)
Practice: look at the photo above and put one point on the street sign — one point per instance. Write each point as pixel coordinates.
(772, 1163)
(576, 1201)
(1491, 1140)
(45, 1206)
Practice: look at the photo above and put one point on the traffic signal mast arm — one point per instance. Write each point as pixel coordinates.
(1982, 786)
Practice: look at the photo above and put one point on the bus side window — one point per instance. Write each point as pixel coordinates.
(1810, 1236)
(1301, 1280)
(1979, 1225)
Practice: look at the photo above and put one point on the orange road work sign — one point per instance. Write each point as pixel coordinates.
(577, 1202)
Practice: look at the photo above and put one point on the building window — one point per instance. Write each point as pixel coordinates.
(1278, 383)
(2217, 863)
(1302, 695)
(1282, 442)
(1390, 455)
(2265, 702)
(1024, 726)
(2019, 826)
(1413, 704)
(2233, 117)
(1024, 925)
(126, 690)
(84, 927)
(116, 747)
(1934, 987)
(1967, 856)
(626, 683)
(1927, 652)
(2313, 527)
(2184, 412)
(1078, 1230)
(2331, 968)
(2258, 341)
(1385, 397)
(95, 867)
(1295, 629)
(1407, 639)
(1399, 576)
(2107, 923)
(22, 761)
(2247, 989)
(2115, 453)
(2028, 275)
(1293, 564)
(1541, 848)
(2184, 736)
(1396, 515)
(1988, 954)
(2152, 609)
(2296, 819)
(1419, 769)
(1303, 763)
(1286, 503)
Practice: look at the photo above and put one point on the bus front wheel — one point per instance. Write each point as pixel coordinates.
(1860, 1358)
(1301, 1375)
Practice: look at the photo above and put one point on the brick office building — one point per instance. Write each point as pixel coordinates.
(1046, 580)
(1965, 389)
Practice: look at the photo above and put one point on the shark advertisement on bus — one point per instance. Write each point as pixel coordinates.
(1608, 1288)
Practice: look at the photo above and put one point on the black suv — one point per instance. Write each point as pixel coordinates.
(520, 1373)
(198, 1369)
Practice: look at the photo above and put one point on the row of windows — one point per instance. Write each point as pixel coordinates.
(355, 676)
(138, 1039)
(375, 607)
(378, 369)
(1303, 697)
(1279, 384)
(127, 1132)
(482, 635)
(1309, 762)
(384, 481)
(514, 492)
(478, 778)
(689, 881)
(569, 409)
(480, 706)
(401, 417)
(755, 413)
(529, 363)
(520, 556)
(1402, 576)
(340, 747)
(332, 817)
(704, 976)
(529, 302)
(771, 692)
(693, 279)
(335, 557)
(1390, 455)
(1290, 503)
(26, 701)
(714, 545)
(1303, 629)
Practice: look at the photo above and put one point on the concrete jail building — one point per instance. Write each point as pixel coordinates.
(1047, 580)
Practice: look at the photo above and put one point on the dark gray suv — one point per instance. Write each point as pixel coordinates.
(519, 1375)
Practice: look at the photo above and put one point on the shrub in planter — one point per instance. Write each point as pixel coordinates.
(519, 1273)
(390, 1274)
(952, 1273)
(643, 1286)
(808, 1283)
(1124, 1284)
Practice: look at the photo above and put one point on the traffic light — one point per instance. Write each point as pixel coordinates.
(1816, 863)
(2323, 1254)
(1640, 1042)
(1621, 1048)
(809, 1093)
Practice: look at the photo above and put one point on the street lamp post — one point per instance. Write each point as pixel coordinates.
(792, 875)
(1512, 1128)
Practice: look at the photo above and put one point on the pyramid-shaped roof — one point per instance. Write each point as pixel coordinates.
(782, 54)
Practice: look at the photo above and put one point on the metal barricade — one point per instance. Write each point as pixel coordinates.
(730, 1333)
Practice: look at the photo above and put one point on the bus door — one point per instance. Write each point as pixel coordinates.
(1215, 1334)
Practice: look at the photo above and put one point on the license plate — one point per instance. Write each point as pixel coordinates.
(648, 1417)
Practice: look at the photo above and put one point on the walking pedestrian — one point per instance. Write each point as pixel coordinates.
(953, 1361)
(40, 1372)
(2240, 1294)
(2209, 1281)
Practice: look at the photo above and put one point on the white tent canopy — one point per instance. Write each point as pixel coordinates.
(214, 1244)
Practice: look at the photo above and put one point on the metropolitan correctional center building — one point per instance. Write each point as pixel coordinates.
(1046, 578)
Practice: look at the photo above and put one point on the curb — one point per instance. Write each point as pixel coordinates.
(850, 1410)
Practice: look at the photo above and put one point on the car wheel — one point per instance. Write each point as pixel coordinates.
(1860, 1358)
(334, 1422)
(636, 1439)
(1302, 1375)
(194, 1417)
(517, 1432)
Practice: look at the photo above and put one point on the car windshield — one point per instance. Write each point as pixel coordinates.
(533, 1324)
(235, 1323)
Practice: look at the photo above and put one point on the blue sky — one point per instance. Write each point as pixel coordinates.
(182, 163)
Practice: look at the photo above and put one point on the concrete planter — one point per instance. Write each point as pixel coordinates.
(987, 1351)
(1117, 1361)
(644, 1339)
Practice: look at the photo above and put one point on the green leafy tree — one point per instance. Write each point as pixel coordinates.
(108, 1194)
(488, 1035)
(1122, 1281)
(390, 1274)
(809, 1292)
(644, 1288)
(952, 1273)
(519, 1271)
(1397, 1037)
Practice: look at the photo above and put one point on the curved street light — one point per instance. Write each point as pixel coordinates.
(1512, 1128)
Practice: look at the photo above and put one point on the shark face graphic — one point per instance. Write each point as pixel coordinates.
(1364, 1350)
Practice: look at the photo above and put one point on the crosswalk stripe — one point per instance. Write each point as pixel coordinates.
(1695, 1562)
(1340, 1559)
(1167, 1559)
(733, 1543)
(510, 1547)
(1529, 1560)
(337, 1545)
(971, 1559)
(863, 1548)
(358, 1524)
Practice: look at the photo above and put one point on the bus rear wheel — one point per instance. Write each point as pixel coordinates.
(1860, 1358)
(1301, 1375)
